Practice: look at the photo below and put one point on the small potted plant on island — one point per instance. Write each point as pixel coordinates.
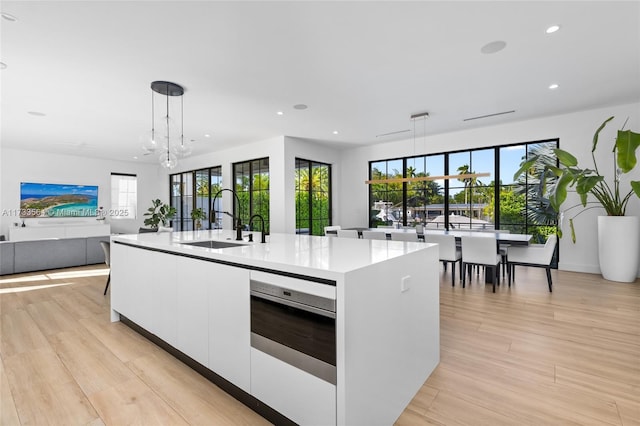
(159, 214)
(618, 242)
(198, 216)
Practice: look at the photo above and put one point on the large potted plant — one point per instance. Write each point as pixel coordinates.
(618, 241)
(159, 214)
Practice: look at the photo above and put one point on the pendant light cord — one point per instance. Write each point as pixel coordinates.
(168, 137)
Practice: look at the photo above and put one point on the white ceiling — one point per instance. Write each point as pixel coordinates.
(363, 68)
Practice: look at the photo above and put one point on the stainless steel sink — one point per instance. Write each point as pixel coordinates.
(214, 244)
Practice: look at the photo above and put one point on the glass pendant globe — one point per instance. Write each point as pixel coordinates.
(183, 149)
(149, 142)
(168, 160)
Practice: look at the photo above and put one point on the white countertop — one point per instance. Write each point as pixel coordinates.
(324, 257)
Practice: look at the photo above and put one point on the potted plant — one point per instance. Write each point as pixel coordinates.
(159, 214)
(618, 242)
(198, 216)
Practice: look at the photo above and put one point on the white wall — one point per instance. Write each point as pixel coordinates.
(282, 152)
(272, 148)
(26, 166)
(575, 132)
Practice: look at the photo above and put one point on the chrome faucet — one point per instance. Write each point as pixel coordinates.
(237, 219)
(264, 232)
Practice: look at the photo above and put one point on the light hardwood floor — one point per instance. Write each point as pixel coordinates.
(521, 356)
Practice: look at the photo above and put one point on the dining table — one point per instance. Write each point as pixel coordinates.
(501, 237)
(505, 238)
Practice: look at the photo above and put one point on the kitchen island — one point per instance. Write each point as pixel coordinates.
(198, 299)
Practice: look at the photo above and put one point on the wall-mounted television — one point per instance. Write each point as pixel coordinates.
(57, 200)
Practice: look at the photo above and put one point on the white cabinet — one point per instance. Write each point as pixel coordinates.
(302, 397)
(192, 311)
(131, 284)
(163, 290)
(201, 308)
(229, 324)
(29, 233)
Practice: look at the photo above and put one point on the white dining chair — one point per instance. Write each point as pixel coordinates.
(480, 251)
(332, 229)
(502, 248)
(404, 236)
(537, 255)
(374, 235)
(447, 250)
(348, 233)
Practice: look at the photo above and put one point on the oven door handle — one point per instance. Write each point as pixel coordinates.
(293, 304)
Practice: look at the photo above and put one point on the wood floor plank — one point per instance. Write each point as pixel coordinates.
(93, 366)
(134, 403)
(8, 412)
(123, 342)
(51, 318)
(20, 334)
(44, 392)
(198, 402)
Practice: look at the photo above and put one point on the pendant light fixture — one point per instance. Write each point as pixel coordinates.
(168, 139)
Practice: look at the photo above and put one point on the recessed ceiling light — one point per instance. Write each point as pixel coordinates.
(8, 17)
(207, 135)
(493, 47)
(280, 113)
(135, 157)
(553, 86)
(3, 66)
(36, 113)
(552, 29)
(300, 106)
(335, 132)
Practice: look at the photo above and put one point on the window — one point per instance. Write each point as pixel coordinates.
(313, 197)
(252, 186)
(464, 203)
(124, 196)
(191, 190)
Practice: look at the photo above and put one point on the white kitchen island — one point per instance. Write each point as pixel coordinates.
(196, 301)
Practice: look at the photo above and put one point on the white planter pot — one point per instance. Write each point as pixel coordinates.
(619, 247)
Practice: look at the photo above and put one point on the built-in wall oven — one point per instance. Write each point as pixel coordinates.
(295, 327)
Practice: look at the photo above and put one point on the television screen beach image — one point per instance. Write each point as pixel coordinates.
(57, 200)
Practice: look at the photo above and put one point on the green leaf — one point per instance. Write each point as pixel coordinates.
(525, 165)
(555, 170)
(635, 184)
(559, 193)
(573, 231)
(586, 184)
(597, 133)
(627, 143)
(565, 158)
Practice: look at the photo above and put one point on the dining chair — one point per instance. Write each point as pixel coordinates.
(348, 233)
(331, 228)
(480, 251)
(447, 251)
(537, 255)
(502, 248)
(374, 235)
(404, 236)
(106, 247)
